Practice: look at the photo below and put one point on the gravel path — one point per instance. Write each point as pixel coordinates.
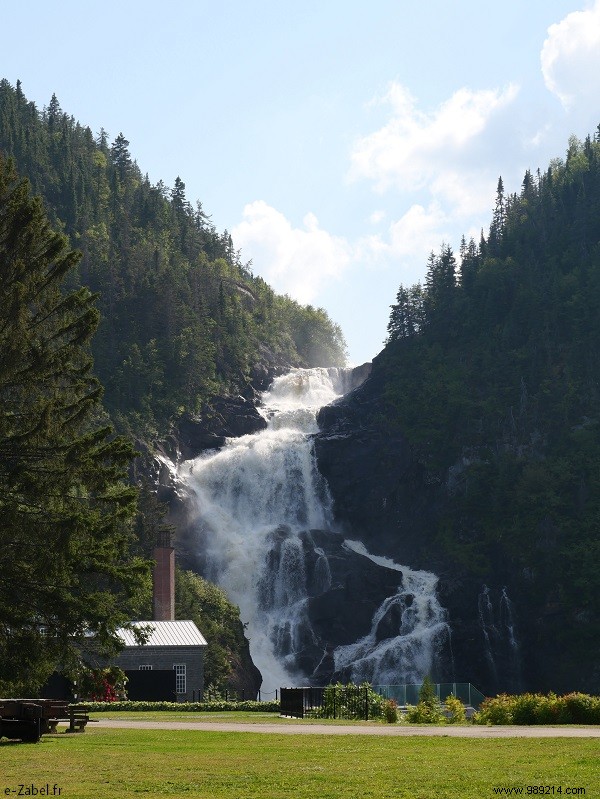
(470, 731)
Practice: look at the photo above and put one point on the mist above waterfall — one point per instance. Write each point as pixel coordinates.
(263, 522)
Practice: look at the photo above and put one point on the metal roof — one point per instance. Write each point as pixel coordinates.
(164, 633)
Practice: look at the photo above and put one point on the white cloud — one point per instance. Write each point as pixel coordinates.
(377, 216)
(538, 137)
(418, 231)
(295, 261)
(413, 235)
(302, 262)
(407, 241)
(464, 193)
(571, 57)
(413, 147)
(439, 161)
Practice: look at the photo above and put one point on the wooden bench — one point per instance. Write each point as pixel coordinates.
(29, 719)
(77, 717)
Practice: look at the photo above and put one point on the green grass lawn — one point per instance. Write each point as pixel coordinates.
(125, 763)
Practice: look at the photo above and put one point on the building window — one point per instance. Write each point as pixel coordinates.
(145, 667)
(179, 678)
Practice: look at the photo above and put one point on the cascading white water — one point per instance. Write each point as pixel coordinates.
(508, 619)
(255, 485)
(501, 646)
(488, 628)
(422, 624)
(255, 500)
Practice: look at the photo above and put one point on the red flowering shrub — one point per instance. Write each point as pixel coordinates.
(103, 685)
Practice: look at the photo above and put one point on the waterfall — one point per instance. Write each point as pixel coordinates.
(489, 629)
(419, 625)
(257, 488)
(500, 643)
(514, 651)
(255, 502)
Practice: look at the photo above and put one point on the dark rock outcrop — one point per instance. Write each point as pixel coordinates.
(344, 590)
(226, 417)
(380, 491)
(245, 680)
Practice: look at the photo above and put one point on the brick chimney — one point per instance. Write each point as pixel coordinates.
(163, 578)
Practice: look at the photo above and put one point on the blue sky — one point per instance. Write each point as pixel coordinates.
(339, 142)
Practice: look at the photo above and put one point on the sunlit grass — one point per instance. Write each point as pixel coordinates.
(121, 763)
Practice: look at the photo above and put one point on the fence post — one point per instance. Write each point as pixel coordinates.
(366, 703)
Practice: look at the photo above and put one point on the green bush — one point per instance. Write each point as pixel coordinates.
(526, 708)
(574, 708)
(455, 710)
(495, 710)
(552, 710)
(192, 707)
(426, 713)
(582, 708)
(429, 709)
(427, 693)
(390, 711)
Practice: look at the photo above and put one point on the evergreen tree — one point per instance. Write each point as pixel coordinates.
(180, 204)
(53, 113)
(440, 283)
(121, 156)
(66, 575)
(498, 219)
(407, 316)
(469, 265)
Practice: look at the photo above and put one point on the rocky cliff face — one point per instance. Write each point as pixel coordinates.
(384, 497)
(503, 621)
(378, 488)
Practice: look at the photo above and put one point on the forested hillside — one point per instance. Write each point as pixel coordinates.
(483, 414)
(182, 317)
(493, 372)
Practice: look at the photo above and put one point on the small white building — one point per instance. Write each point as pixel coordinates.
(169, 666)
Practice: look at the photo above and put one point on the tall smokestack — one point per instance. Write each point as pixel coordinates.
(163, 576)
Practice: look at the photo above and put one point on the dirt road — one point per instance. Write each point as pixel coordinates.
(300, 728)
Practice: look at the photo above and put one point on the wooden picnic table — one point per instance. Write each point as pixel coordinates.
(29, 719)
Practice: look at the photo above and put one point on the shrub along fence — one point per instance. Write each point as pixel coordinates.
(409, 694)
(365, 701)
(332, 702)
(189, 707)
